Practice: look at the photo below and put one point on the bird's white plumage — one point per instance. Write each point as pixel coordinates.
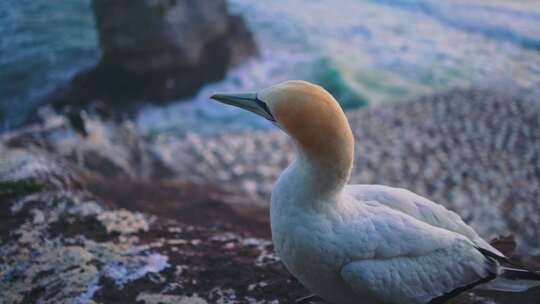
(420, 208)
(418, 279)
(373, 243)
(360, 243)
(354, 244)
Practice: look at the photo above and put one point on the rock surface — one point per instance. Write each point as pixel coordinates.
(67, 237)
(158, 50)
(476, 152)
(110, 216)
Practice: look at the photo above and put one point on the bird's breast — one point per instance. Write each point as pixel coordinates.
(306, 246)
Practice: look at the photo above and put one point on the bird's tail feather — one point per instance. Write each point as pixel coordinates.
(513, 280)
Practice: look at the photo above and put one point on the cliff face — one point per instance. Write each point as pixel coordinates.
(158, 50)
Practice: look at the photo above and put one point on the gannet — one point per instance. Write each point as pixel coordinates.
(353, 244)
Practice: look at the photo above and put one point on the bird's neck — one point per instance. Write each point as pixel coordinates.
(325, 171)
(325, 146)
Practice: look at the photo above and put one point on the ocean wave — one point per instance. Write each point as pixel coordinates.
(42, 45)
(363, 52)
(202, 115)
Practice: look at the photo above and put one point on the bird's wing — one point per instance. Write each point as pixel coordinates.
(420, 208)
(430, 278)
(396, 258)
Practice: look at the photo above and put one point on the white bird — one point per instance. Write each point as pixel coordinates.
(363, 243)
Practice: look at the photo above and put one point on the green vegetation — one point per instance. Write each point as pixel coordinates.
(18, 188)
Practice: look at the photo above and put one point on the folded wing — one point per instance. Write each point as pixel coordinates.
(430, 278)
(420, 208)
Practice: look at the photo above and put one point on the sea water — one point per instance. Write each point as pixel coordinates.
(43, 43)
(364, 52)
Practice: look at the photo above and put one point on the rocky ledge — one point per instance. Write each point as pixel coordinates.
(158, 50)
(77, 237)
(107, 215)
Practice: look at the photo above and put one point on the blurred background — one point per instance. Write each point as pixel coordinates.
(108, 136)
(365, 52)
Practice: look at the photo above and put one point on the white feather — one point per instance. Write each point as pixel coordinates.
(371, 244)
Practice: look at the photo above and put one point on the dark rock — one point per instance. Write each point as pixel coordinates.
(71, 232)
(159, 50)
(71, 236)
(96, 220)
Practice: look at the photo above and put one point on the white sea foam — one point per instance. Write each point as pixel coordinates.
(369, 51)
(362, 51)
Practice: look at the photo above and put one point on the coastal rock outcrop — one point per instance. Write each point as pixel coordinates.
(79, 225)
(109, 215)
(158, 50)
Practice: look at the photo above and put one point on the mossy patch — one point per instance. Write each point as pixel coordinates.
(18, 188)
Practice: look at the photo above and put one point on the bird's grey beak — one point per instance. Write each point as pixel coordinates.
(246, 101)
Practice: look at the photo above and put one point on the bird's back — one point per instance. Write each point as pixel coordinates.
(346, 248)
(419, 207)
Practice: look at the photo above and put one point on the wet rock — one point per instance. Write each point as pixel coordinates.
(159, 298)
(41, 262)
(63, 241)
(115, 217)
(158, 50)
